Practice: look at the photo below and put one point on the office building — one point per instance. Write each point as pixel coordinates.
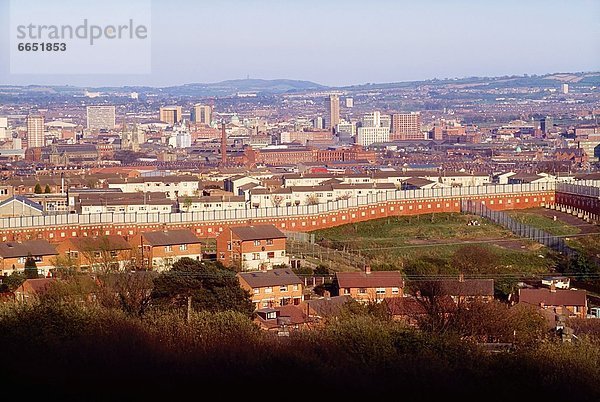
(170, 114)
(406, 126)
(368, 135)
(564, 88)
(333, 111)
(35, 131)
(4, 133)
(201, 114)
(546, 124)
(100, 117)
(349, 102)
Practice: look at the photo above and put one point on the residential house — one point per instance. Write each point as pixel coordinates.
(274, 288)
(282, 319)
(117, 202)
(411, 310)
(370, 286)
(18, 205)
(252, 247)
(211, 203)
(161, 249)
(467, 290)
(324, 308)
(172, 186)
(98, 253)
(13, 256)
(33, 288)
(568, 302)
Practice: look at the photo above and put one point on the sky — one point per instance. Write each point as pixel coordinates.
(339, 43)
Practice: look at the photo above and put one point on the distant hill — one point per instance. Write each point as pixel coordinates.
(231, 87)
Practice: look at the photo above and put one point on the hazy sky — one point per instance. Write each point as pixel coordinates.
(351, 42)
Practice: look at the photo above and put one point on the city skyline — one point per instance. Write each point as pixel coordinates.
(341, 44)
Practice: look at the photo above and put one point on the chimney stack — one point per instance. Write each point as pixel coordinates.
(223, 144)
(367, 269)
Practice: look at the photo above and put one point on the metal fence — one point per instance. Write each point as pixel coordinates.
(590, 188)
(270, 212)
(501, 218)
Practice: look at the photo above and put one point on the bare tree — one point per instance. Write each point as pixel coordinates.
(276, 200)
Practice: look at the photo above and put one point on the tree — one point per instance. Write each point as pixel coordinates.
(276, 200)
(14, 280)
(210, 286)
(473, 259)
(187, 204)
(38, 189)
(31, 271)
(47, 189)
(312, 199)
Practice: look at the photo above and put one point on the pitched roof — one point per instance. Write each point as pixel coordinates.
(170, 237)
(286, 315)
(257, 232)
(375, 279)
(412, 307)
(559, 297)
(36, 286)
(274, 277)
(11, 249)
(24, 200)
(468, 287)
(328, 306)
(109, 242)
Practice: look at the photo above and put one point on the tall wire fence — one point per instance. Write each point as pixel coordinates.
(520, 229)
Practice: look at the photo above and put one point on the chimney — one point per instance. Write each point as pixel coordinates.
(223, 144)
(552, 287)
(367, 269)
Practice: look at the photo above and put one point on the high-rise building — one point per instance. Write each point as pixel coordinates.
(100, 117)
(349, 102)
(333, 111)
(170, 114)
(202, 114)
(366, 136)
(564, 88)
(3, 128)
(35, 131)
(546, 124)
(376, 119)
(406, 126)
(318, 123)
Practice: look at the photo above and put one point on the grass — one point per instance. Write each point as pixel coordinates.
(545, 223)
(396, 241)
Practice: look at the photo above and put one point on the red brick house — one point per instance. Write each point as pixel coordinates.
(252, 248)
(370, 286)
(273, 288)
(161, 249)
(571, 303)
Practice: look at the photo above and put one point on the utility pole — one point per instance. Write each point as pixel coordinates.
(189, 309)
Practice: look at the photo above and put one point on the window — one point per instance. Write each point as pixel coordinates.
(256, 291)
(271, 254)
(283, 253)
(269, 242)
(362, 290)
(222, 255)
(257, 242)
(380, 291)
(269, 290)
(229, 245)
(271, 315)
(256, 256)
(283, 289)
(183, 247)
(114, 253)
(295, 287)
(346, 291)
(168, 249)
(395, 291)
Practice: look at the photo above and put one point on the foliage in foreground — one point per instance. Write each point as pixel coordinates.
(86, 351)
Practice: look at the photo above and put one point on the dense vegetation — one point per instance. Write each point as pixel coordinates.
(88, 352)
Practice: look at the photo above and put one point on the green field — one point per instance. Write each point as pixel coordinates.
(545, 223)
(392, 243)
